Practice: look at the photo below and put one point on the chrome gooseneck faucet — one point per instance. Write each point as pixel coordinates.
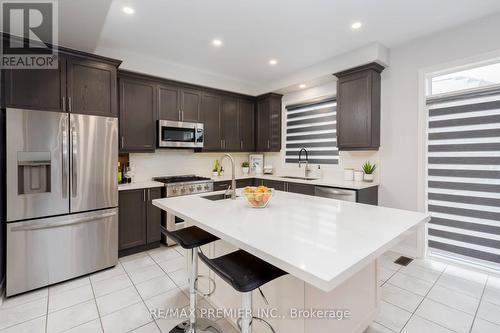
(306, 171)
(233, 180)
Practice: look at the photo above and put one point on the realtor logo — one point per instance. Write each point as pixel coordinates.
(30, 33)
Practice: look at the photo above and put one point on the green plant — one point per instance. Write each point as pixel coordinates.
(216, 166)
(245, 164)
(369, 168)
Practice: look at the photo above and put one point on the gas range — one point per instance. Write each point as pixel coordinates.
(184, 185)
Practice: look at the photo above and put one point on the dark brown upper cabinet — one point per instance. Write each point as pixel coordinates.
(247, 125)
(138, 110)
(230, 125)
(82, 83)
(211, 106)
(268, 125)
(178, 103)
(358, 108)
(190, 105)
(91, 87)
(37, 89)
(169, 103)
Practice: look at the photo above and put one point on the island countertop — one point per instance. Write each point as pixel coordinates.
(318, 240)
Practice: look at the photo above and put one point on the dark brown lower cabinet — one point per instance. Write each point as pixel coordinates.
(277, 185)
(139, 221)
(154, 217)
(300, 188)
(224, 184)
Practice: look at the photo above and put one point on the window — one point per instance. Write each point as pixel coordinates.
(313, 127)
(463, 169)
(472, 78)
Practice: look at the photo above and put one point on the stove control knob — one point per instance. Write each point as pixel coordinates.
(198, 187)
(174, 190)
(206, 187)
(183, 190)
(191, 189)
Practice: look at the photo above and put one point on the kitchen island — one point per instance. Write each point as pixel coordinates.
(328, 247)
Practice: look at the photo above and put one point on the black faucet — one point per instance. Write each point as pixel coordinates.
(306, 161)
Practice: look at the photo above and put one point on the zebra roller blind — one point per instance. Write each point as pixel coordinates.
(464, 179)
(313, 127)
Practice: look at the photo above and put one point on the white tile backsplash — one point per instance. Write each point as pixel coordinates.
(166, 162)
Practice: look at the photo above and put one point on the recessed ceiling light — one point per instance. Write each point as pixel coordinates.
(302, 86)
(216, 42)
(356, 25)
(128, 10)
(273, 62)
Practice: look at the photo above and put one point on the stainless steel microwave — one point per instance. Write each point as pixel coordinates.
(176, 134)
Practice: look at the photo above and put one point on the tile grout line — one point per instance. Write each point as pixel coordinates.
(423, 299)
(140, 296)
(25, 321)
(47, 312)
(95, 301)
(479, 304)
(154, 320)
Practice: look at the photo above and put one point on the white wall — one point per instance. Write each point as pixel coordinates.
(402, 176)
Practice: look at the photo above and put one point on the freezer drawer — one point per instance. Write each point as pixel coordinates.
(46, 251)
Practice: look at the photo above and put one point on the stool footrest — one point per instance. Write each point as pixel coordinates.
(271, 328)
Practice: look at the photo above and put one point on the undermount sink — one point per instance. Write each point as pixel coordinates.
(216, 197)
(301, 178)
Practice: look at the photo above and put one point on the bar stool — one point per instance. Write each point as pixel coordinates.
(191, 238)
(245, 273)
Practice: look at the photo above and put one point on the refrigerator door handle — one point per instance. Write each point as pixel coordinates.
(74, 159)
(64, 156)
(79, 220)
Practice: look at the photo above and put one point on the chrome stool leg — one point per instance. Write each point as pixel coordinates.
(246, 306)
(194, 324)
(245, 322)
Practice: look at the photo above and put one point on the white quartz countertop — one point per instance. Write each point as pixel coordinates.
(319, 182)
(139, 185)
(321, 241)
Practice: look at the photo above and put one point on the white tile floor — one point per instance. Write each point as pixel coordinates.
(426, 296)
(114, 300)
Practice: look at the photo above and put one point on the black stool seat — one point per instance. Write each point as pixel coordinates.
(190, 237)
(242, 270)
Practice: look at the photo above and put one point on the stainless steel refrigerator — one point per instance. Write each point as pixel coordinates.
(62, 197)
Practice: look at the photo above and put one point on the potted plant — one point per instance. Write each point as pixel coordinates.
(245, 167)
(368, 169)
(216, 169)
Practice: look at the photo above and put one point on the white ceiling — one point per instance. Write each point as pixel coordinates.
(298, 33)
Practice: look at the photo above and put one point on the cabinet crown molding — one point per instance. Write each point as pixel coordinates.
(371, 66)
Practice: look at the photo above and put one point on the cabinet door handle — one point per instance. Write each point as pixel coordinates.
(70, 107)
(149, 194)
(144, 195)
(122, 142)
(241, 144)
(268, 144)
(63, 103)
(180, 115)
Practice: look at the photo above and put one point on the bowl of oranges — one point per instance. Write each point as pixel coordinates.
(258, 196)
